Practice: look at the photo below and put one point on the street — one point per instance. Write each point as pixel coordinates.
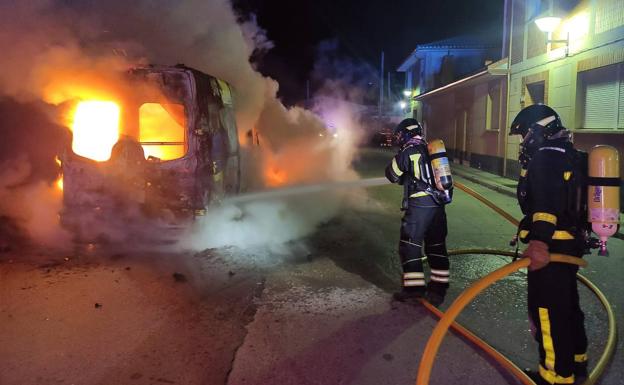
(316, 311)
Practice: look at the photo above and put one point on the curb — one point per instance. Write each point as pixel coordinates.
(491, 186)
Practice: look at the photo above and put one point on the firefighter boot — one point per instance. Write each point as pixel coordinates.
(436, 291)
(409, 294)
(580, 372)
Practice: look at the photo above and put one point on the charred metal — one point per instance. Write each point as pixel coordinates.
(166, 173)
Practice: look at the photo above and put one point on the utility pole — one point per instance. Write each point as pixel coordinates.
(308, 90)
(503, 130)
(381, 85)
(389, 95)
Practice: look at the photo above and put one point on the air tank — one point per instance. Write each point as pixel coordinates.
(603, 194)
(440, 165)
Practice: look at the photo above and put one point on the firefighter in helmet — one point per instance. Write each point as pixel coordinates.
(423, 226)
(549, 192)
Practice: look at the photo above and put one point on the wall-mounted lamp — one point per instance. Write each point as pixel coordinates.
(549, 24)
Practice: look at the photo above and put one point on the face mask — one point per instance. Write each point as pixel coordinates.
(533, 140)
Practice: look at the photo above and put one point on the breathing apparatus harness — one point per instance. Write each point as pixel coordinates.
(574, 216)
(412, 185)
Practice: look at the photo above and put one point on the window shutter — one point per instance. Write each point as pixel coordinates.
(621, 99)
(602, 92)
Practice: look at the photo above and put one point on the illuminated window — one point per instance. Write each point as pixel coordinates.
(162, 130)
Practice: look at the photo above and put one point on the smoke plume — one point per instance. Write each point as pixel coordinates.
(55, 51)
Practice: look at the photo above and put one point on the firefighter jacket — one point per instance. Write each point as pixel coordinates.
(548, 194)
(412, 169)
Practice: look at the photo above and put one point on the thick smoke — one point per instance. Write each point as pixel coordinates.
(55, 51)
(29, 200)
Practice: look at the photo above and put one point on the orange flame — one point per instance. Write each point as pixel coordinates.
(275, 177)
(162, 130)
(59, 182)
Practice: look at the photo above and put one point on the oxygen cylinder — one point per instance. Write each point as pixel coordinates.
(603, 194)
(440, 165)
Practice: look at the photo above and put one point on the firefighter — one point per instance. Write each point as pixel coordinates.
(549, 189)
(423, 226)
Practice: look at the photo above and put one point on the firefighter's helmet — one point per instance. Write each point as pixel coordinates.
(406, 130)
(536, 114)
(536, 124)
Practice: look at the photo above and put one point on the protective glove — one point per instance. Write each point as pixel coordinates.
(538, 253)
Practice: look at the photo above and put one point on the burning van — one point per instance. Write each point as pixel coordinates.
(159, 154)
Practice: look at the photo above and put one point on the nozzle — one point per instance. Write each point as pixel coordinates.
(603, 249)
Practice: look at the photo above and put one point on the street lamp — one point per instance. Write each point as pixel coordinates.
(549, 24)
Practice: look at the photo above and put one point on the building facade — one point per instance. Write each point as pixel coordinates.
(580, 75)
(578, 69)
(436, 64)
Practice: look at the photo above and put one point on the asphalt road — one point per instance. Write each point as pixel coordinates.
(315, 311)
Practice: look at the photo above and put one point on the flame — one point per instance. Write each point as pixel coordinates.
(96, 129)
(162, 130)
(59, 182)
(275, 177)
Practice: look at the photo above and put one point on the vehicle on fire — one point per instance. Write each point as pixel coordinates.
(157, 157)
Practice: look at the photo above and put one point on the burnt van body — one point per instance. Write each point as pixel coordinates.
(174, 151)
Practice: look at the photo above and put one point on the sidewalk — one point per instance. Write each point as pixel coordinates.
(499, 184)
(495, 182)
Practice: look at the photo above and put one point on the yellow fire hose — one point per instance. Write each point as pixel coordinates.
(447, 320)
(485, 201)
(495, 354)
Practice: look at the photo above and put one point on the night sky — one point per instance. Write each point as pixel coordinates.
(362, 28)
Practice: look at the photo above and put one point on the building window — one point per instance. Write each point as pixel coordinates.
(601, 98)
(535, 93)
(492, 107)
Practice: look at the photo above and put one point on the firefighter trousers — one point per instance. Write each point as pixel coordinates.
(423, 228)
(557, 318)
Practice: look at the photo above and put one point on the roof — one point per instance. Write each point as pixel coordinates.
(461, 42)
(482, 76)
(456, 42)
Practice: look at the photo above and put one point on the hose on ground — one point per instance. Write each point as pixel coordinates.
(487, 348)
(431, 349)
(487, 202)
(447, 319)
